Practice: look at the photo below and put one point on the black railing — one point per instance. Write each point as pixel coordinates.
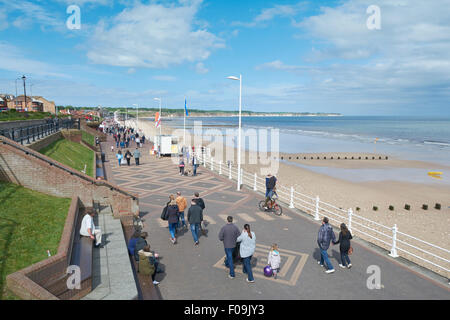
(29, 134)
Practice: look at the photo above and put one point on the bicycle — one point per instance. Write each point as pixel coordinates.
(272, 206)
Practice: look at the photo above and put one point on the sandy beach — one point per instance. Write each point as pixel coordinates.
(429, 225)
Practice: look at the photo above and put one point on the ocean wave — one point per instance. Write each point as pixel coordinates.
(437, 143)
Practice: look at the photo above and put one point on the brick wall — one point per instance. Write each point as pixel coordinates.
(44, 142)
(40, 173)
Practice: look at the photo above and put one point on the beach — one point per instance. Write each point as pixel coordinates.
(361, 196)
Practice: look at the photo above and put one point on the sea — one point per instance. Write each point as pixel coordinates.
(404, 137)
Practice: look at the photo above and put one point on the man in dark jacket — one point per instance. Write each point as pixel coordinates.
(325, 236)
(228, 234)
(195, 218)
(199, 200)
(140, 244)
(271, 182)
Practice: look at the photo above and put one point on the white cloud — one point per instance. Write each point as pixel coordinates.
(31, 13)
(164, 78)
(13, 59)
(269, 14)
(401, 68)
(201, 69)
(153, 36)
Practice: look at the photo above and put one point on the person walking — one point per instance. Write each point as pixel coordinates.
(128, 156)
(137, 156)
(181, 165)
(122, 144)
(172, 217)
(228, 235)
(344, 246)
(325, 236)
(119, 157)
(247, 248)
(138, 141)
(195, 218)
(194, 164)
(199, 200)
(182, 204)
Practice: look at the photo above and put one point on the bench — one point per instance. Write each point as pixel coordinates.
(146, 288)
(81, 255)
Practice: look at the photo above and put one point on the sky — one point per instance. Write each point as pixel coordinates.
(294, 56)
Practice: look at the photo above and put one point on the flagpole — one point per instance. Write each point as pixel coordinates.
(184, 124)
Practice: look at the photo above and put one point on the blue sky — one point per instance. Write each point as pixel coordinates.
(302, 56)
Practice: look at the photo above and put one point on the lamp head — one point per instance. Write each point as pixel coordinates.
(233, 78)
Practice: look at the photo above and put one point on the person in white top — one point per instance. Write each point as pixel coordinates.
(88, 228)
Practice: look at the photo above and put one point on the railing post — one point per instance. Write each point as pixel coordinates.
(393, 252)
(229, 171)
(239, 180)
(291, 204)
(350, 213)
(212, 164)
(34, 133)
(316, 216)
(255, 186)
(28, 135)
(220, 167)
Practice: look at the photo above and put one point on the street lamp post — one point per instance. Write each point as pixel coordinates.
(24, 90)
(239, 133)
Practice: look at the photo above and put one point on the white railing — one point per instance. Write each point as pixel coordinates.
(389, 238)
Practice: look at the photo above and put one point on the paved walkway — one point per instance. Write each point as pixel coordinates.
(198, 272)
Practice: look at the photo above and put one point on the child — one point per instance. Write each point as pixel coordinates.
(274, 259)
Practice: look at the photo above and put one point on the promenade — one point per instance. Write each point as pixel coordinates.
(198, 272)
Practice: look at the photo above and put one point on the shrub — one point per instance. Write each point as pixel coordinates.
(437, 206)
(358, 208)
(375, 208)
(425, 207)
(407, 207)
(391, 208)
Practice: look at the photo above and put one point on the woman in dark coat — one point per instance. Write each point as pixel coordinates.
(344, 245)
(172, 217)
(128, 156)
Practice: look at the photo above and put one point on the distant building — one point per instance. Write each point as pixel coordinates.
(33, 104)
(48, 106)
(3, 104)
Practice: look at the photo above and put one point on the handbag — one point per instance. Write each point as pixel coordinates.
(350, 250)
(164, 213)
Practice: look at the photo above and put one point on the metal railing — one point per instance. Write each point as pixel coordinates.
(30, 134)
(390, 238)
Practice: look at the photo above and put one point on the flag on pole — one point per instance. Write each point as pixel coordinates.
(157, 119)
(185, 108)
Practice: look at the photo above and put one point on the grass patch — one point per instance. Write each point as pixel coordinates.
(71, 154)
(30, 224)
(13, 115)
(88, 138)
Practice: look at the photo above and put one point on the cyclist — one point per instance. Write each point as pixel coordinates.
(272, 196)
(270, 185)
